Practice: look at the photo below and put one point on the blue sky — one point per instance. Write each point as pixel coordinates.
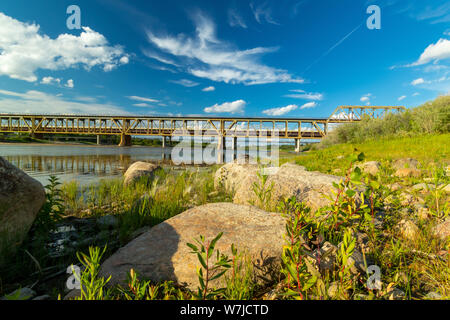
(290, 58)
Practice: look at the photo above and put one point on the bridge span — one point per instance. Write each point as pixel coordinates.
(165, 126)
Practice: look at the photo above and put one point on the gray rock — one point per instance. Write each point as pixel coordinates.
(162, 254)
(407, 229)
(407, 173)
(433, 296)
(21, 198)
(395, 294)
(289, 180)
(371, 167)
(139, 169)
(442, 230)
(405, 163)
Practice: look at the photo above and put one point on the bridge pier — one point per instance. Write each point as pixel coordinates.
(35, 135)
(98, 140)
(297, 145)
(163, 142)
(125, 140)
(234, 147)
(221, 147)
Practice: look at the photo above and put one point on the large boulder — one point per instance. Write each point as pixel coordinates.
(442, 230)
(231, 175)
(407, 172)
(371, 167)
(288, 180)
(162, 254)
(21, 198)
(405, 163)
(139, 169)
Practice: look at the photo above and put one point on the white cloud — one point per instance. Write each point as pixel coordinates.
(417, 81)
(280, 111)
(50, 80)
(415, 94)
(366, 98)
(137, 98)
(401, 98)
(263, 11)
(435, 15)
(205, 56)
(283, 110)
(229, 107)
(434, 52)
(300, 94)
(308, 105)
(185, 83)
(38, 102)
(209, 89)
(142, 105)
(235, 19)
(69, 83)
(159, 58)
(24, 50)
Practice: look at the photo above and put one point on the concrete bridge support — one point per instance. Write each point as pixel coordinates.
(125, 140)
(99, 142)
(297, 145)
(234, 147)
(221, 148)
(35, 135)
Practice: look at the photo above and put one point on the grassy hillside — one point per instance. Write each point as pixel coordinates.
(424, 148)
(430, 118)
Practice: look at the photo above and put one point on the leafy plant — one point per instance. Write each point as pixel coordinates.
(53, 208)
(295, 266)
(92, 287)
(241, 284)
(209, 271)
(263, 193)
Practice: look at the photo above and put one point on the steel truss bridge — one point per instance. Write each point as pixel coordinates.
(222, 127)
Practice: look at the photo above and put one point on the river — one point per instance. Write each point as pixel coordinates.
(83, 163)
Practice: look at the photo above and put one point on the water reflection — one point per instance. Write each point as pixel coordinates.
(82, 163)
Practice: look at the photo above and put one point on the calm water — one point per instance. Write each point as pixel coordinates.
(83, 163)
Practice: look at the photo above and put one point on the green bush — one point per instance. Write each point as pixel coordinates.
(430, 118)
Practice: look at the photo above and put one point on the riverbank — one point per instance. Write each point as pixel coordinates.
(410, 200)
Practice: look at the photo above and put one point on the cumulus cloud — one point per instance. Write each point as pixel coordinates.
(300, 94)
(206, 56)
(38, 102)
(366, 98)
(434, 52)
(69, 84)
(401, 98)
(50, 80)
(24, 50)
(417, 81)
(228, 107)
(209, 89)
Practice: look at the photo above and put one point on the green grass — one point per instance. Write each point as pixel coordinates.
(424, 148)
